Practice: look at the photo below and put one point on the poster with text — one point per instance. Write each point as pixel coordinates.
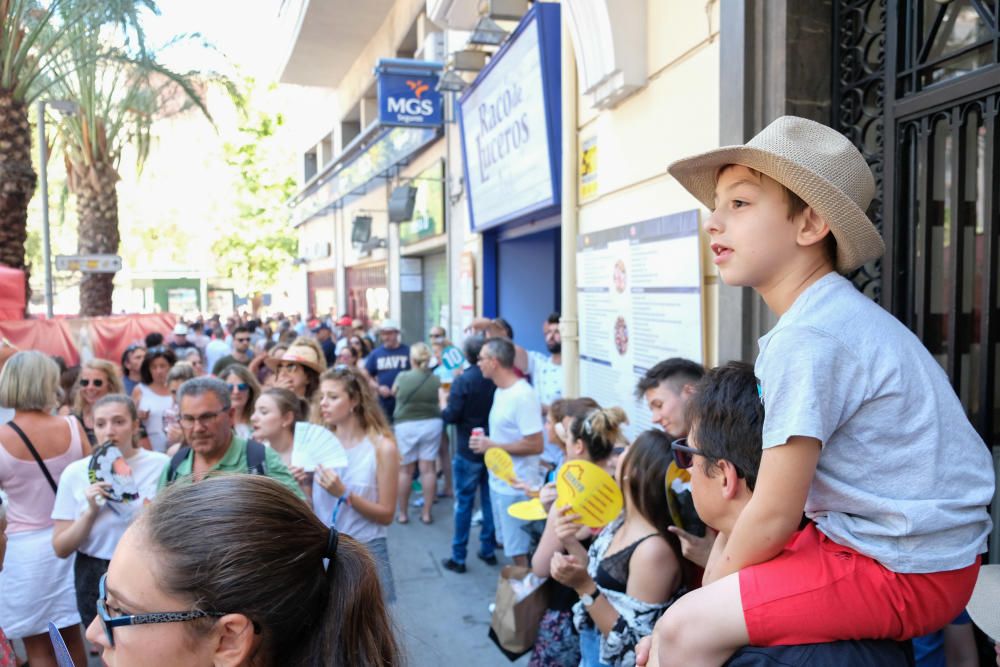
(640, 302)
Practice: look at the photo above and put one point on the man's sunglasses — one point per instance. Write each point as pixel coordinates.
(684, 455)
(96, 383)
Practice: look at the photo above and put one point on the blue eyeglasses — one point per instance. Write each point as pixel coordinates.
(111, 622)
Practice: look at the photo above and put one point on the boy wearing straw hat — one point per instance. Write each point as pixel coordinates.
(863, 432)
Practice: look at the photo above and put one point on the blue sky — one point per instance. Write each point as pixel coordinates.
(238, 28)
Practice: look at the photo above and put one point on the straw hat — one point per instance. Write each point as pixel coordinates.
(303, 355)
(984, 607)
(815, 162)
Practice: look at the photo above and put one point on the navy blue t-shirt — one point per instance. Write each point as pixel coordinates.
(384, 365)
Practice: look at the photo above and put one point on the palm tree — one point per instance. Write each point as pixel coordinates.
(119, 95)
(31, 38)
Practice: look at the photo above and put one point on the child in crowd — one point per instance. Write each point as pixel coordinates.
(863, 431)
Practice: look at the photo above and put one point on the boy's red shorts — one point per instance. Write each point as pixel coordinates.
(816, 591)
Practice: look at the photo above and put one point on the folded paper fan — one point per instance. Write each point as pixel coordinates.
(528, 510)
(317, 445)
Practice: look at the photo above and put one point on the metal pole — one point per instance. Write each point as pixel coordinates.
(43, 178)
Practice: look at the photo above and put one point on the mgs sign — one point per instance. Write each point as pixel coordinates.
(409, 99)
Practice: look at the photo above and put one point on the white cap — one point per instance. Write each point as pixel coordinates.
(180, 329)
(389, 324)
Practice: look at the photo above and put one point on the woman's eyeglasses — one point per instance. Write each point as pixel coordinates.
(96, 383)
(240, 387)
(110, 622)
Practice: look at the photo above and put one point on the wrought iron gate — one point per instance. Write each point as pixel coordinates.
(917, 88)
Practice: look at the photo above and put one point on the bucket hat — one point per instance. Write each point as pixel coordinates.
(818, 164)
(303, 355)
(984, 607)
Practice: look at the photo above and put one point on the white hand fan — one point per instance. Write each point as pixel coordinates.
(316, 445)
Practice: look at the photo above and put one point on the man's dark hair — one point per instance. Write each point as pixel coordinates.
(727, 418)
(553, 318)
(505, 325)
(471, 348)
(501, 349)
(242, 329)
(154, 339)
(677, 370)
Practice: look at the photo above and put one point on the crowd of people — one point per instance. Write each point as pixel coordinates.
(825, 506)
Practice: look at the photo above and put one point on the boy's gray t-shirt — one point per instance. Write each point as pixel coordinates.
(903, 476)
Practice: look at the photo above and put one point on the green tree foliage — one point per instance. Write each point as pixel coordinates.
(260, 243)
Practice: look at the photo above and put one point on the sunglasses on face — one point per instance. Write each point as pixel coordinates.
(240, 387)
(109, 622)
(684, 455)
(96, 383)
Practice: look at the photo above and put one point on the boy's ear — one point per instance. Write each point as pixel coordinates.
(812, 227)
(729, 479)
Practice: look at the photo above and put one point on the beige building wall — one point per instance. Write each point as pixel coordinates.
(675, 114)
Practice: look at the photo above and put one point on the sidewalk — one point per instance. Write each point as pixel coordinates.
(442, 617)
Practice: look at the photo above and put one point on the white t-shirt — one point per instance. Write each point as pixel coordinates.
(903, 476)
(547, 379)
(215, 350)
(110, 525)
(516, 414)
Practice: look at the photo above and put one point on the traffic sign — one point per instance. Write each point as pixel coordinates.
(89, 263)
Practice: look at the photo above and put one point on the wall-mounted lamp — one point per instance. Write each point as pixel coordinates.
(488, 33)
(451, 82)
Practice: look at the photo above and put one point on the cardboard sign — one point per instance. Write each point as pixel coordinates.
(528, 510)
(499, 463)
(590, 492)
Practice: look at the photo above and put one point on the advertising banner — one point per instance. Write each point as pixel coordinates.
(510, 122)
(640, 301)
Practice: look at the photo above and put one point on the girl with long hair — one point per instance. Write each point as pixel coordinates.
(86, 523)
(633, 570)
(358, 500)
(152, 397)
(236, 570)
(243, 391)
(97, 379)
(274, 416)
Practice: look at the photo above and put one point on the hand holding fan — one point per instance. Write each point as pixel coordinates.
(109, 466)
(317, 445)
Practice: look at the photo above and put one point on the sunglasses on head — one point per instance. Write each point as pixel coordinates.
(87, 383)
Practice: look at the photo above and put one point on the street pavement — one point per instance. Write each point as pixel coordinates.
(442, 617)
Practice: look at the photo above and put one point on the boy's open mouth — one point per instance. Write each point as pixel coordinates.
(721, 252)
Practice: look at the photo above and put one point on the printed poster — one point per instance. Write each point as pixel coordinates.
(640, 302)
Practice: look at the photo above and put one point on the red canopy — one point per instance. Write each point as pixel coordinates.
(53, 337)
(11, 293)
(109, 336)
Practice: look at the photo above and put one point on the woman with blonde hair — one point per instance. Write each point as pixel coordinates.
(35, 586)
(417, 419)
(358, 500)
(97, 379)
(243, 391)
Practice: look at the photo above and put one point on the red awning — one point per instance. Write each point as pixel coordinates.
(11, 293)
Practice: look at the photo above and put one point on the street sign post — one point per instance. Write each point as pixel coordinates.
(89, 263)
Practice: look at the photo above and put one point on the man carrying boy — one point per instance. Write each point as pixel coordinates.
(722, 453)
(862, 431)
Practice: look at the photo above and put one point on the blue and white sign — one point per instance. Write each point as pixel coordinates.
(511, 126)
(407, 93)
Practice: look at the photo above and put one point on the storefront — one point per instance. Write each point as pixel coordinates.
(423, 264)
(510, 127)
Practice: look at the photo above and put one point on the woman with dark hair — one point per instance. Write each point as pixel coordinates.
(236, 570)
(358, 500)
(131, 366)
(275, 413)
(299, 368)
(634, 570)
(243, 390)
(152, 397)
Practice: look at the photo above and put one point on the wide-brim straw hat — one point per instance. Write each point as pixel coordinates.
(984, 607)
(815, 162)
(303, 355)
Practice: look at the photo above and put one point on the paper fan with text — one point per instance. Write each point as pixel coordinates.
(317, 445)
(108, 465)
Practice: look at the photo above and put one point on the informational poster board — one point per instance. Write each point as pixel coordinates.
(639, 297)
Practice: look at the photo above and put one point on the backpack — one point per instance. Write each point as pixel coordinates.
(255, 460)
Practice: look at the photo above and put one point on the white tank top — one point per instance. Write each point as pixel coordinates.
(360, 479)
(156, 405)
